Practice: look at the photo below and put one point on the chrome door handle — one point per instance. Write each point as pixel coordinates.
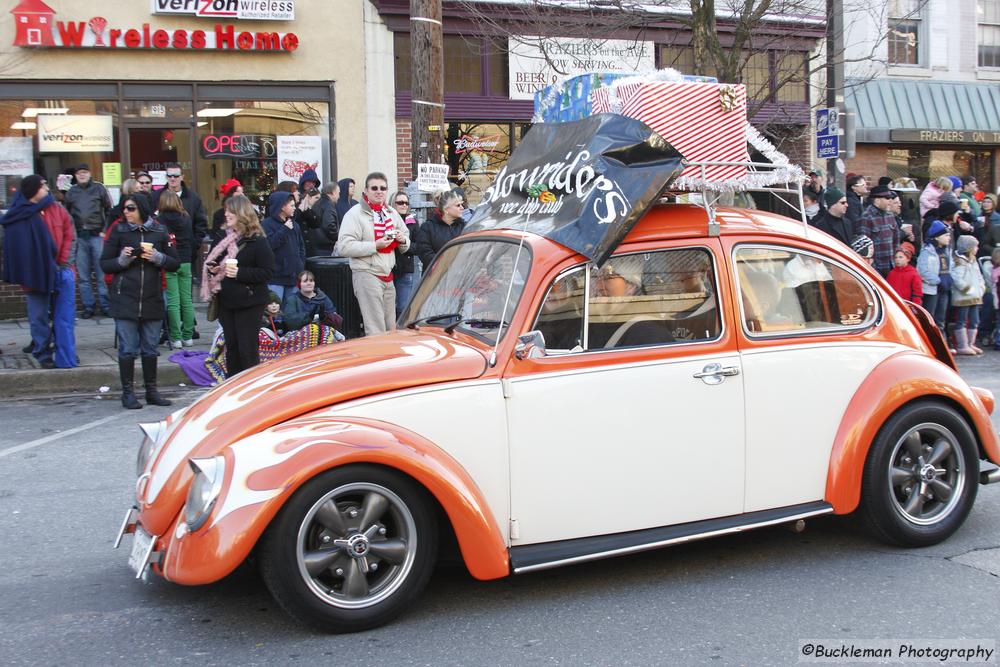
(714, 373)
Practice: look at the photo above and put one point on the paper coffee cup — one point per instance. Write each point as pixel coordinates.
(232, 262)
(146, 247)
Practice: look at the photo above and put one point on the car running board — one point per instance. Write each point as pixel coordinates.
(532, 557)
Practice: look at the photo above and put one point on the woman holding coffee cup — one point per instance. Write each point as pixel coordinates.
(135, 252)
(236, 272)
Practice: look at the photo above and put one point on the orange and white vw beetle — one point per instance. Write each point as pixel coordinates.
(719, 370)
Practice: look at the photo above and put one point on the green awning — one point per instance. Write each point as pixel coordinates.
(887, 107)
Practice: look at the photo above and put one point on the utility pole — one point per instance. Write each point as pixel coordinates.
(835, 79)
(427, 57)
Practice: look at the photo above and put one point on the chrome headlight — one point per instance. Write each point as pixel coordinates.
(204, 490)
(153, 432)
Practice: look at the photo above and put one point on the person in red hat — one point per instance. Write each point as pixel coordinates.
(226, 190)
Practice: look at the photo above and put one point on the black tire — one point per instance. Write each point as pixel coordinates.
(921, 452)
(326, 586)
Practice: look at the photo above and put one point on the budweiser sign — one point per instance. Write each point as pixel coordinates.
(470, 143)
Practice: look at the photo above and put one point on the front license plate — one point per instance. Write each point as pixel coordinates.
(142, 547)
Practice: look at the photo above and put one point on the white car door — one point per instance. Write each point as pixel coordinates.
(642, 425)
(803, 360)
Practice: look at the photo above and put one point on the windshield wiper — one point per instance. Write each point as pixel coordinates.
(432, 318)
(475, 321)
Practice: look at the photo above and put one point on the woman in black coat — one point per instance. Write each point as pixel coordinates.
(135, 252)
(237, 271)
(439, 229)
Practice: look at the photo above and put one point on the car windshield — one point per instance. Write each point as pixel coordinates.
(467, 286)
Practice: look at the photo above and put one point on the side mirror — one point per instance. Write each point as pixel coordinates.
(530, 346)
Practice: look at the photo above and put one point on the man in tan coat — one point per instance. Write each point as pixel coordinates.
(369, 234)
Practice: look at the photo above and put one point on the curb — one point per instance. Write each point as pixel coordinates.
(88, 379)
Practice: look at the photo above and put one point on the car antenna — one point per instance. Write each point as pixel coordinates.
(510, 288)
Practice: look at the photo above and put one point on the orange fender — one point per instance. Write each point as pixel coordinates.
(265, 469)
(901, 378)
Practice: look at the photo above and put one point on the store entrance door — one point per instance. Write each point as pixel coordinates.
(151, 149)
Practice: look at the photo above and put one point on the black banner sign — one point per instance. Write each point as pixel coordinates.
(582, 184)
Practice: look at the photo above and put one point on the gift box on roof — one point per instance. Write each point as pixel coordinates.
(706, 122)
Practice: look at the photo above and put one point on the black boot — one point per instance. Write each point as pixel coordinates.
(149, 378)
(126, 371)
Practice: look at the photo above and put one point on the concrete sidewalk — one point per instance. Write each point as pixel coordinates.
(21, 375)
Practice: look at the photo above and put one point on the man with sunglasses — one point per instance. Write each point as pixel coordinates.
(878, 222)
(192, 204)
(145, 182)
(369, 235)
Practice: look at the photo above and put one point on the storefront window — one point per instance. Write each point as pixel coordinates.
(155, 110)
(472, 65)
(50, 137)
(477, 151)
(924, 164)
(260, 144)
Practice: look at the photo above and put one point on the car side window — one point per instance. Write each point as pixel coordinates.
(652, 298)
(788, 291)
(561, 318)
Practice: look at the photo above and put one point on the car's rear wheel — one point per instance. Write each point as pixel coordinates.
(351, 549)
(920, 478)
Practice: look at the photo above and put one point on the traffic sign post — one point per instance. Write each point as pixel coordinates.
(827, 134)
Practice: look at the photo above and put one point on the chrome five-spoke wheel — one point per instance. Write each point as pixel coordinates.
(356, 545)
(351, 548)
(919, 479)
(927, 474)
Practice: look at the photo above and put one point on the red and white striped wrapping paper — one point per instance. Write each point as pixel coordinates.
(689, 116)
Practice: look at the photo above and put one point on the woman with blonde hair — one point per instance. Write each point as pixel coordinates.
(236, 273)
(930, 198)
(180, 310)
(442, 226)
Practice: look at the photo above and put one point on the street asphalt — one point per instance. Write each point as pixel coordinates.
(66, 478)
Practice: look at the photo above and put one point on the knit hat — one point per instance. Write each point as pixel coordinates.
(863, 246)
(273, 298)
(30, 185)
(908, 249)
(81, 167)
(228, 187)
(965, 243)
(832, 196)
(947, 208)
(956, 183)
(885, 180)
(816, 171)
(936, 229)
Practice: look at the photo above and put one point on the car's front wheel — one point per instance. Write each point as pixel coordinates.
(350, 549)
(920, 478)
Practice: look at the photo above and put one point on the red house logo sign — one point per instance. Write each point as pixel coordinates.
(37, 28)
(34, 23)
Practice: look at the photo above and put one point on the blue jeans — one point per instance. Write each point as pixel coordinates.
(941, 308)
(404, 290)
(135, 336)
(88, 260)
(59, 331)
(967, 317)
(282, 291)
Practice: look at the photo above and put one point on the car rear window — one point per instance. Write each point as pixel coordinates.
(785, 291)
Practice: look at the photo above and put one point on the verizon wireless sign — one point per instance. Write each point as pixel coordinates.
(75, 134)
(255, 10)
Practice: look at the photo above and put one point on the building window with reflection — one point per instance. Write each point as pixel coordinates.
(905, 25)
